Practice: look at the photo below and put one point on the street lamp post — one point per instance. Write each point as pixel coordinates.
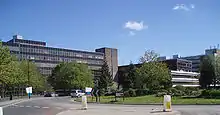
(29, 96)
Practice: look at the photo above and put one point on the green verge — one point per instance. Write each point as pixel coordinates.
(151, 99)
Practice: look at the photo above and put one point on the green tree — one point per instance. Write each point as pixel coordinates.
(30, 76)
(216, 79)
(105, 80)
(71, 75)
(207, 71)
(8, 70)
(154, 76)
(129, 77)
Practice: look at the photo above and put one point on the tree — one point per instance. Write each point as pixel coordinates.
(149, 55)
(71, 76)
(105, 80)
(207, 71)
(154, 76)
(217, 70)
(129, 77)
(8, 70)
(29, 70)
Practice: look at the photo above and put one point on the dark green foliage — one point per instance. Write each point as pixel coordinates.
(105, 80)
(210, 94)
(142, 92)
(207, 71)
(130, 93)
(129, 77)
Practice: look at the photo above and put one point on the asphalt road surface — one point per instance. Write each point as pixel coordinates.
(56, 106)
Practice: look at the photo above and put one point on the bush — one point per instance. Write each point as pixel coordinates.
(160, 94)
(130, 93)
(142, 92)
(176, 92)
(210, 94)
(192, 91)
(179, 87)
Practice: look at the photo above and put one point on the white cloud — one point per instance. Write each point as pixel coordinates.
(133, 25)
(183, 7)
(131, 33)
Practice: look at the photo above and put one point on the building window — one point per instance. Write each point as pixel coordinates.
(79, 55)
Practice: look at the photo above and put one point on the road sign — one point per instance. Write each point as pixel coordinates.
(29, 90)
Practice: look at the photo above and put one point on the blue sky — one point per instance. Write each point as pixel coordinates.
(184, 27)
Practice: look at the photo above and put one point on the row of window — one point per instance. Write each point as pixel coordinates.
(52, 65)
(55, 52)
(49, 71)
(59, 59)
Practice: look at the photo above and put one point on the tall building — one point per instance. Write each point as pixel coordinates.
(111, 57)
(196, 60)
(46, 58)
(179, 64)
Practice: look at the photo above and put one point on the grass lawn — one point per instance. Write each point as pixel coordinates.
(150, 99)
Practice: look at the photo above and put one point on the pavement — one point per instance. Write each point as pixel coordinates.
(64, 106)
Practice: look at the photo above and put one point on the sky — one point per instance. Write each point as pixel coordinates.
(184, 27)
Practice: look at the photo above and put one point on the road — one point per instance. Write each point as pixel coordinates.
(63, 106)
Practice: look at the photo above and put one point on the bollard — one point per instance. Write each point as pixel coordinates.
(167, 103)
(84, 102)
(1, 111)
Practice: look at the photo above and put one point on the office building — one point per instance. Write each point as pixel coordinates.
(196, 60)
(180, 70)
(46, 58)
(179, 64)
(111, 57)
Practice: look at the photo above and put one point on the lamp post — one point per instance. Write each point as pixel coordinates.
(32, 58)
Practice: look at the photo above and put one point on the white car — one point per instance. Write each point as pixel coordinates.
(77, 93)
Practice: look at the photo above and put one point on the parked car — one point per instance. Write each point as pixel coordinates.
(48, 95)
(77, 93)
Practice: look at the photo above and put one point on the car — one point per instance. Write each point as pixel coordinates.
(77, 93)
(48, 95)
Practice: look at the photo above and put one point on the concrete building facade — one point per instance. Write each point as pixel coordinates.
(46, 58)
(111, 57)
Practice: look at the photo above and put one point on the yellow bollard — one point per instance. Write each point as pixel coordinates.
(84, 102)
(167, 103)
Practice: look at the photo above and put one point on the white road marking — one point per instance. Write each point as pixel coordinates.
(45, 107)
(72, 108)
(15, 105)
(36, 106)
(21, 106)
(27, 106)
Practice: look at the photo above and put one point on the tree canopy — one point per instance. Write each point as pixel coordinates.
(209, 71)
(154, 76)
(149, 55)
(71, 75)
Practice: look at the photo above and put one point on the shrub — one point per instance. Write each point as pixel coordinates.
(210, 94)
(130, 93)
(179, 87)
(176, 92)
(141, 92)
